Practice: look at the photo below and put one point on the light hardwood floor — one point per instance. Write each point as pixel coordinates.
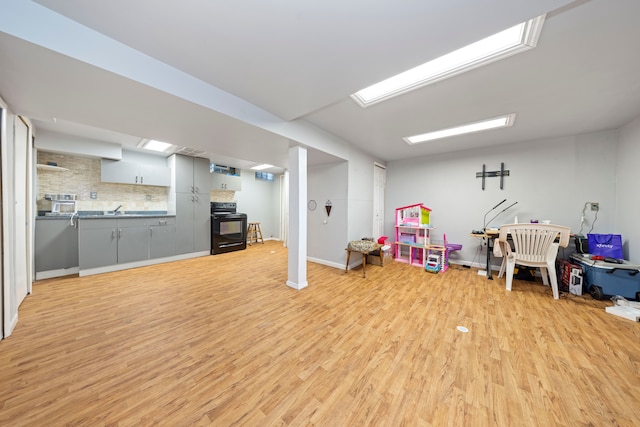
(221, 340)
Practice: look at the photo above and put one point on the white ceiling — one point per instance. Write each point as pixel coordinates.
(246, 80)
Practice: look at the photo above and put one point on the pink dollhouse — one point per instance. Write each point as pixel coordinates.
(413, 240)
(412, 234)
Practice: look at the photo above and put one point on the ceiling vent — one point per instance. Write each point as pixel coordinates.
(190, 152)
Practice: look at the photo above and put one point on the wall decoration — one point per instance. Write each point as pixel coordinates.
(327, 206)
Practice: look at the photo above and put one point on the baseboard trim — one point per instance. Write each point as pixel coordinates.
(143, 263)
(327, 263)
(49, 274)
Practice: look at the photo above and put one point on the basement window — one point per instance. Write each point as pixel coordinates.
(264, 176)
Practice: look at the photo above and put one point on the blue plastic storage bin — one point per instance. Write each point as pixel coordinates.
(602, 279)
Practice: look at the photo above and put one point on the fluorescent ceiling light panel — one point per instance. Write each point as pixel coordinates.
(498, 122)
(261, 167)
(509, 42)
(157, 145)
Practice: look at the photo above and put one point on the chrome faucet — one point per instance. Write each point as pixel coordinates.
(116, 209)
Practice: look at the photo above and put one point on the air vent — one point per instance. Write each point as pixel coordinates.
(190, 152)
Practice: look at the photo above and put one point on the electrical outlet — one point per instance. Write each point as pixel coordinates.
(595, 206)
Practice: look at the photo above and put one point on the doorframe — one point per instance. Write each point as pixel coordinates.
(5, 296)
(28, 203)
(378, 166)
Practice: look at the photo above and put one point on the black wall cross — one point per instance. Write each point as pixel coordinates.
(501, 173)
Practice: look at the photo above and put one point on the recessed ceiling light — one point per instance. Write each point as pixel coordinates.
(156, 145)
(509, 42)
(498, 122)
(261, 167)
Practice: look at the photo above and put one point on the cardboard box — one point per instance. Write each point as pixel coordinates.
(375, 259)
(575, 281)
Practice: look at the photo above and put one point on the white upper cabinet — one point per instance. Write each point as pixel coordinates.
(226, 182)
(225, 178)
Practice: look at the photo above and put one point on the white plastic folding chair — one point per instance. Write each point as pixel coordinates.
(534, 245)
(500, 251)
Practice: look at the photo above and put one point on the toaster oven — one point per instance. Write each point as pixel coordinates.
(61, 207)
(60, 204)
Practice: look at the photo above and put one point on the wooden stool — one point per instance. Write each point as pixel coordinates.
(254, 233)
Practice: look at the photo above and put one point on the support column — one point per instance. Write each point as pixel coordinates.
(297, 273)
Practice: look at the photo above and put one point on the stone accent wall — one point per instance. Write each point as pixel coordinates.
(222, 196)
(83, 178)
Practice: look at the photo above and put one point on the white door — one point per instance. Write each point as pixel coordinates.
(20, 197)
(379, 183)
(4, 309)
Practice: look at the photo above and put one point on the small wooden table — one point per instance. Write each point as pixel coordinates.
(490, 234)
(365, 247)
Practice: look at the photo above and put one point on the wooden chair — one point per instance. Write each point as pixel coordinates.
(534, 246)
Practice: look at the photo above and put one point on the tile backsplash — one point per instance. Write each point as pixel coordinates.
(222, 196)
(83, 178)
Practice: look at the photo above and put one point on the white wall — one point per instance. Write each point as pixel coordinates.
(349, 187)
(260, 200)
(69, 144)
(550, 179)
(627, 200)
(360, 196)
(327, 235)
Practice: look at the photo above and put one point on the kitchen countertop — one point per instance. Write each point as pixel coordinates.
(101, 214)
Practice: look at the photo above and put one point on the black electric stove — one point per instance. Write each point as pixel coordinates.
(228, 228)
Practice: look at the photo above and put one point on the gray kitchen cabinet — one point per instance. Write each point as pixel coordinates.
(133, 239)
(193, 223)
(98, 242)
(202, 224)
(201, 176)
(118, 171)
(185, 223)
(123, 172)
(220, 181)
(56, 244)
(109, 241)
(162, 237)
(155, 175)
(193, 208)
(192, 174)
